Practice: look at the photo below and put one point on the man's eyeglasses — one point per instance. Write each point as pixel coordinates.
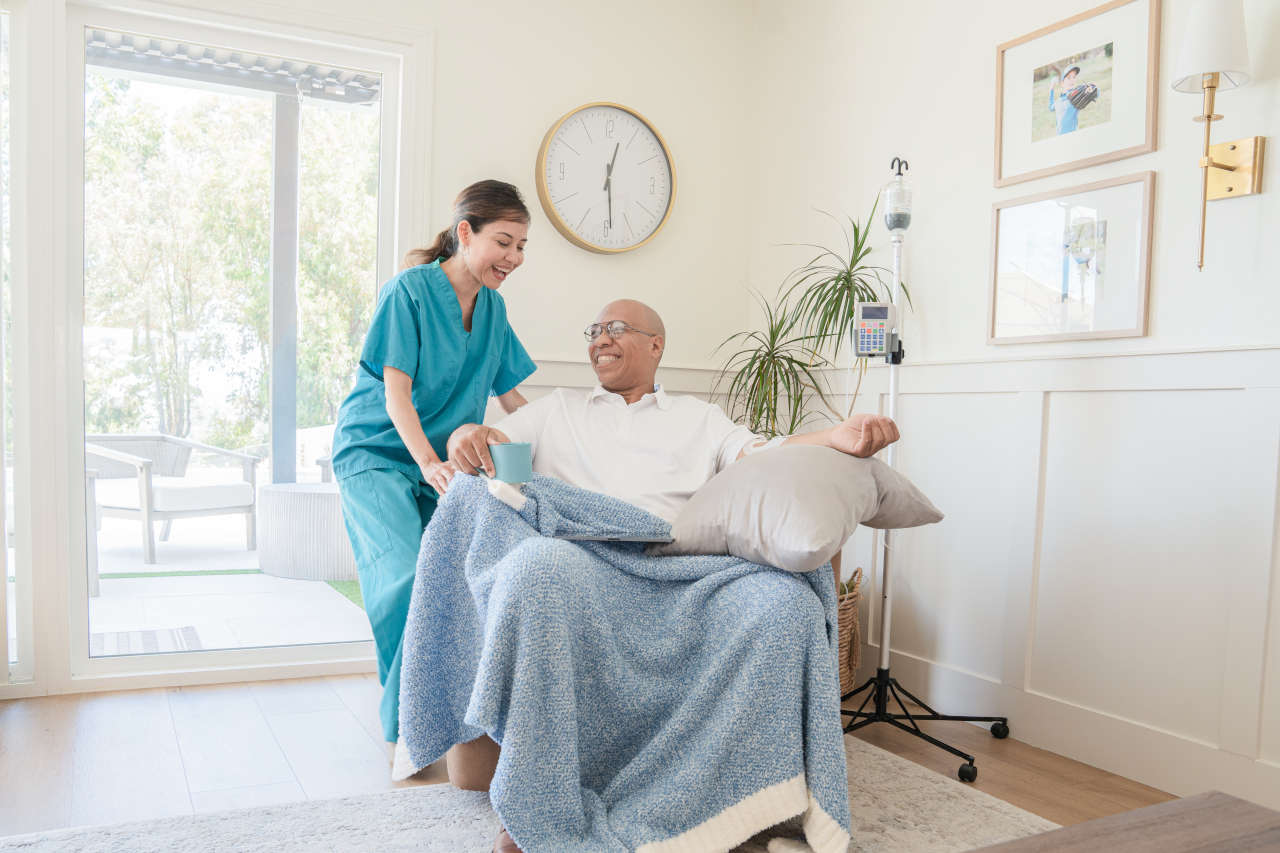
(616, 329)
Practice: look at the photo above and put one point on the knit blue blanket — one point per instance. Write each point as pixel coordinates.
(642, 703)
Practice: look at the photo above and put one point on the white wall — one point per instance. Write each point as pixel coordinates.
(507, 71)
(843, 87)
(1108, 568)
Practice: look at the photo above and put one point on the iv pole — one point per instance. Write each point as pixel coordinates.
(880, 687)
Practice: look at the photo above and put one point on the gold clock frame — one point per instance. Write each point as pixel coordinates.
(544, 193)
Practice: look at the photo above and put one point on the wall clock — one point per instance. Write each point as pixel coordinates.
(605, 178)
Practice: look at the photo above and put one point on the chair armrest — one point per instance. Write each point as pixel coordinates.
(117, 455)
(143, 474)
(209, 448)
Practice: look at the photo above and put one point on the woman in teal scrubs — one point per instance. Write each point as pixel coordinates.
(438, 346)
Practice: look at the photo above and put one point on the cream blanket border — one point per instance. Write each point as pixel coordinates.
(758, 812)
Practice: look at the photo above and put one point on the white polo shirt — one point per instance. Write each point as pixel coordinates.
(654, 453)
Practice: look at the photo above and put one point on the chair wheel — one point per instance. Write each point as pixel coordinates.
(1000, 730)
(967, 773)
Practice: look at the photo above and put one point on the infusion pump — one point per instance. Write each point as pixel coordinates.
(875, 327)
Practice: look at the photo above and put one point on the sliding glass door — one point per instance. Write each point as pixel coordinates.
(234, 225)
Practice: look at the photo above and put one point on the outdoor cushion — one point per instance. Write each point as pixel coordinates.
(174, 494)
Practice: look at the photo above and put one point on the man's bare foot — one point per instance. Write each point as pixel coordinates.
(505, 844)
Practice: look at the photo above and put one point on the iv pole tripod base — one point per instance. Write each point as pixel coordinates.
(881, 686)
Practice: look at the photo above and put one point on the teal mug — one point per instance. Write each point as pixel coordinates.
(512, 462)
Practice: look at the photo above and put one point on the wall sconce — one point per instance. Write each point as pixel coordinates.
(1213, 55)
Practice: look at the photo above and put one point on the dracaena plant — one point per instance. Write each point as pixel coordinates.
(774, 371)
(828, 288)
(771, 374)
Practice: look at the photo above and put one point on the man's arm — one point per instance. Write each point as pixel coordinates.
(861, 435)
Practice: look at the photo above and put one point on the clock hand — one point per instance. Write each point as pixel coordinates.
(608, 169)
(608, 181)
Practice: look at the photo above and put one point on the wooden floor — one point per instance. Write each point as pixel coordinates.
(1056, 788)
(132, 755)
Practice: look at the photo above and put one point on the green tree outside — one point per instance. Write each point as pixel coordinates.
(177, 258)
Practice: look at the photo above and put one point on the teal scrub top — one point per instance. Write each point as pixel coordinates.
(417, 328)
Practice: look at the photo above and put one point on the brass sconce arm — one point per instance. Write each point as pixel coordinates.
(1228, 169)
(1210, 163)
(1210, 85)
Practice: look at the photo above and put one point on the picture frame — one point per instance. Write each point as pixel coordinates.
(1078, 93)
(1072, 264)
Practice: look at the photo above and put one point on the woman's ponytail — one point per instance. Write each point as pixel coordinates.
(481, 203)
(443, 247)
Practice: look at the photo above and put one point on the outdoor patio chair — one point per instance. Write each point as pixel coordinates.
(145, 477)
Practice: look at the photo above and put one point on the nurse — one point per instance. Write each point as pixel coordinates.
(438, 346)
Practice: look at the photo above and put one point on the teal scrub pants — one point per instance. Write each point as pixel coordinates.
(385, 511)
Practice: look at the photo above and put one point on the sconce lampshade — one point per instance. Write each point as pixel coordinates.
(1212, 41)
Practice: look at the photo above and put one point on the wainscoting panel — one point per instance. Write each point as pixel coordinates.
(966, 452)
(1260, 632)
(1147, 499)
(1110, 557)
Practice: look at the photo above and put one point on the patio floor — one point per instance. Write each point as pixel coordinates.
(206, 592)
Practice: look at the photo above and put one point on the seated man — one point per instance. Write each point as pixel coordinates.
(629, 439)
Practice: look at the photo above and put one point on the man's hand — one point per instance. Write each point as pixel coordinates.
(469, 447)
(864, 435)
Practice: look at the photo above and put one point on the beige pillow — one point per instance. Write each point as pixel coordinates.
(794, 507)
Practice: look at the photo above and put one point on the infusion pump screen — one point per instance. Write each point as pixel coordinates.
(870, 313)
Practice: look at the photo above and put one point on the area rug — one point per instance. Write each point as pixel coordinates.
(897, 806)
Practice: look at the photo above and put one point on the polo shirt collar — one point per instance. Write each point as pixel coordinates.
(660, 398)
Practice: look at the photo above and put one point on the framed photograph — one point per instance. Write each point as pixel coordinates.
(1078, 93)
(1072, 264)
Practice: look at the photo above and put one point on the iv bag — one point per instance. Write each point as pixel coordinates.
(896, 198)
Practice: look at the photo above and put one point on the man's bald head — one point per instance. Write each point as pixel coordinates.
(636, 314)
(628, 365)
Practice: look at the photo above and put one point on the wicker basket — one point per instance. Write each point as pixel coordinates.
(850, 654)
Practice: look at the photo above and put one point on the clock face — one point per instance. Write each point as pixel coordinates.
(605, 178)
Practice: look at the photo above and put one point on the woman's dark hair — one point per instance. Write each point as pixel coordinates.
(1075, 68)
(481, 203)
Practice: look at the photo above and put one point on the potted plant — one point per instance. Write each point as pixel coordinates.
(772, 375)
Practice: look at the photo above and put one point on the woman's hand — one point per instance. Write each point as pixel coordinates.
(438, 474)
